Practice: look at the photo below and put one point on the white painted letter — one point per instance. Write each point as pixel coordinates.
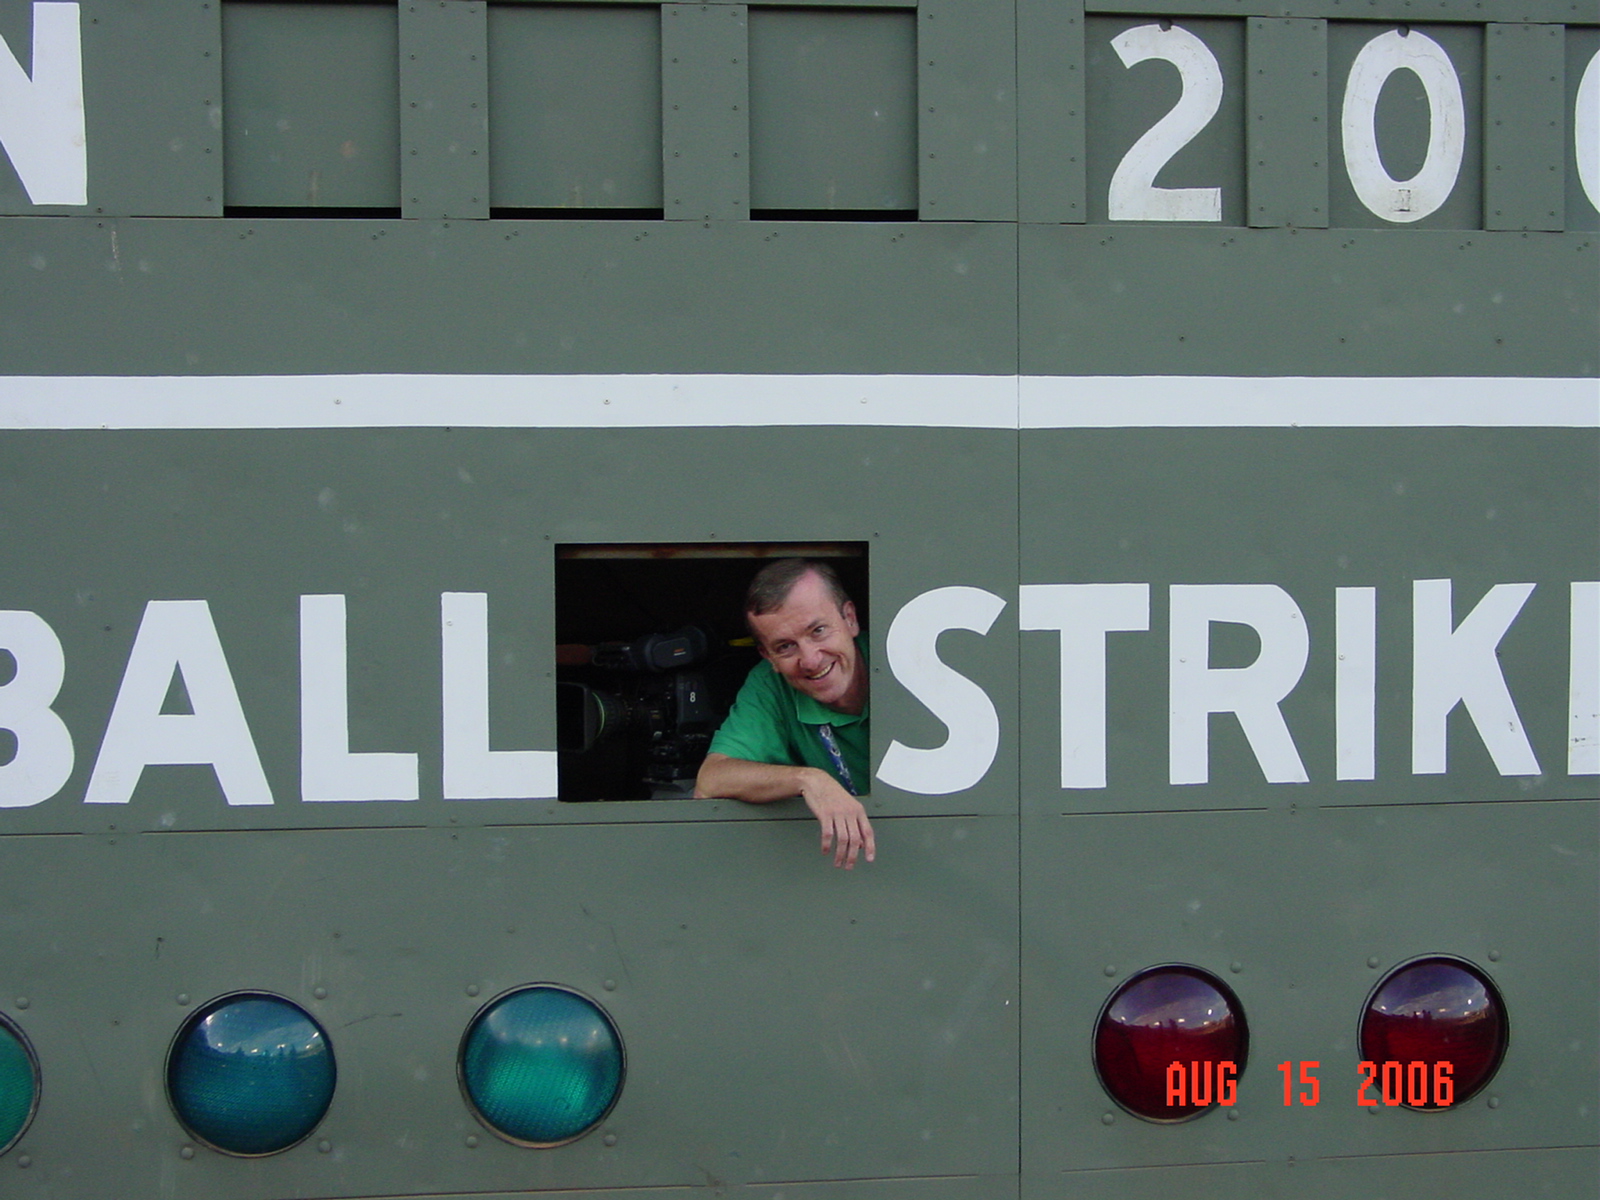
(1583, 682)
(1455, 664)
(962, 705)
(1083, 614)
(472, 771)
(1251, 693)
(41, 119)
(43, 760)
(328, 771)
(1355, 682)
(177, 636)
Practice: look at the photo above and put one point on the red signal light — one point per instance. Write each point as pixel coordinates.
(1165, 1016)
(1436, 1019)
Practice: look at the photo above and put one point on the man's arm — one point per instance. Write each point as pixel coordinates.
(845, 828)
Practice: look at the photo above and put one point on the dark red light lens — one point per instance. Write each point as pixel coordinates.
(1168, 1015)
(1435, 1011)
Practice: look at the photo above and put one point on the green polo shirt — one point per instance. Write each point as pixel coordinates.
(771, 722)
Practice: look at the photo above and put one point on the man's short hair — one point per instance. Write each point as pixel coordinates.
(773, 583)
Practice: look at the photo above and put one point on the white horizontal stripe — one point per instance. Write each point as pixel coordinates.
(507, 401)
(712, 401)
(1203, 401)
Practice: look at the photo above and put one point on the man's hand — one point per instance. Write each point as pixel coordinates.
(845, 828)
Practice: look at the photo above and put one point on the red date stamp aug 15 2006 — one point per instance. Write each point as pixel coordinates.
(1414, 1084)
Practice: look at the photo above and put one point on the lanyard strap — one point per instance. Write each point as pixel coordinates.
(831, 745)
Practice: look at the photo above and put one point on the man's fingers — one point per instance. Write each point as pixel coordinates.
(855, 837)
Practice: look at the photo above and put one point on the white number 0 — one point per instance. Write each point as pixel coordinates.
(1133, 195)
(1586, 131)
(1411, 199)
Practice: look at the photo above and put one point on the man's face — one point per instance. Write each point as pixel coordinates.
(810, 641)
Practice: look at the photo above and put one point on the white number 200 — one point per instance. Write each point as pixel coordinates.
(1134, 195)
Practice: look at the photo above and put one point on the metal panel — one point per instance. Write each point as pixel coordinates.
(758, 1048)
(705, 110)
(1143, 301)
(276, 296)
(576, 95)
(152, 150)
(1301, 914)
(1051, 183)
(967, 1187)
(833, 110)
(1286, 122)
(392, 520)
(444, 109)
(1582, 55)
(1124, 103)
(1524, 73)
(967, 111)
(1391, 506)
(1551, 1175)
(1398, 11)
(311, 114)
(1403, 120)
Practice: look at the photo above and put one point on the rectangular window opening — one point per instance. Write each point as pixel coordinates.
(833, 113)
(575, 110)
(310, 109)
(651, 649)
(575, 214)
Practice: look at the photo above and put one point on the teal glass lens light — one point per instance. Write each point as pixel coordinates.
(250, 1074)
(541, 1065)
(19, 1085)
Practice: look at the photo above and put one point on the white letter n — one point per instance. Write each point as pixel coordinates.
(41, 119)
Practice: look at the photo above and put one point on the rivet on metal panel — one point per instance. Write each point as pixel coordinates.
(472, 989)
(186, 1152)
(1372, 960)
(321, 993)
(1108, 1119)
(183, 997)
(610, 1139)
(1494, 956)
(23, 1002)
(324, 1146)
(1494, 1101)
(24, 1162)
(1233, 1114)
(610, 985)
(1236, 966)
(1110, 970)
(472, 1141)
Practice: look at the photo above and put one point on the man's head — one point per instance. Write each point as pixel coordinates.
(806, 626)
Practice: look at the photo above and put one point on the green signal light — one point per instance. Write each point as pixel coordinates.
(250, 1074)
(19, 1085)
(541, 1065)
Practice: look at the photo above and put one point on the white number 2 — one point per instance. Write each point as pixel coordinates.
(1133, 195)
